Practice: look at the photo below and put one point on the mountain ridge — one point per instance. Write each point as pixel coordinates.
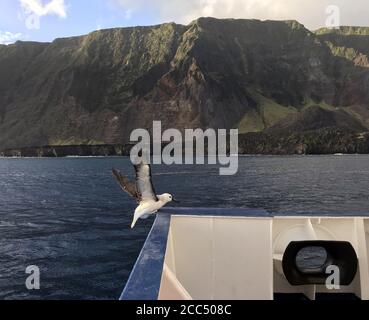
(220, 73)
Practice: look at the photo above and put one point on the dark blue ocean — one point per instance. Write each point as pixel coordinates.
(70, 218)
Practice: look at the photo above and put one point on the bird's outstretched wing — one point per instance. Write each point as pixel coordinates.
(127, 185)
(144, 184)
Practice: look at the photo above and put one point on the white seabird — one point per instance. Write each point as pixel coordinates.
(143, 191)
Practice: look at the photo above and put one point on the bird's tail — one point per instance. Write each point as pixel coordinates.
(135, 218)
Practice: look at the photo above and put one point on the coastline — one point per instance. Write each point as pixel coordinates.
(67, 151)
(101, 151)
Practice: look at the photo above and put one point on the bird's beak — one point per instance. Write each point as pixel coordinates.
(175, 201)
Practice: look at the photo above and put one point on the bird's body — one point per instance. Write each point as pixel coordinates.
(143, 191)
(147, 208)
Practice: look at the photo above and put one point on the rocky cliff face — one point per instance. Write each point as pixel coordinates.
(276, 77)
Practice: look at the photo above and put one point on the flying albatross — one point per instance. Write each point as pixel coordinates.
(143, 191)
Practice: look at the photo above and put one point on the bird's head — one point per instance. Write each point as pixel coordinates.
(166, 197)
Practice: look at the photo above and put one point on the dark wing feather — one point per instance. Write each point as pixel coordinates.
(144, 182)
(126, 185)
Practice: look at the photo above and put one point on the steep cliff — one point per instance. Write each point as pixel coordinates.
(271, 76)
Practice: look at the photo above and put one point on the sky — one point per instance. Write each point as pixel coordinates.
(45, 20)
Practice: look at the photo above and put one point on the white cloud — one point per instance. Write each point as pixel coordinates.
(33, 10)
(7, 37)
(40, 9)
(312, 13)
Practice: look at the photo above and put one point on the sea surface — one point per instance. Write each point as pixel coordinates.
(69, 217)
